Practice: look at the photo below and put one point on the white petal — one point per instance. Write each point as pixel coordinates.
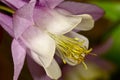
(73, 34)
(36, 58)
(56, 21)
(41, 43)
(87, 23)
(62, 22)
(53, 71)
(71, 62)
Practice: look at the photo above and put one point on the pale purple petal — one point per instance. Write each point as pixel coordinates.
(50, 3)
(18, 54)
(99, 50)
(22, 19)
(36, 71)
(103, 47)
(6, 23)
(14, 3)
(82, 8)
(102, 63)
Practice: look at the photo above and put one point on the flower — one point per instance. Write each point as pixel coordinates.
(39, 27)
(97, 66)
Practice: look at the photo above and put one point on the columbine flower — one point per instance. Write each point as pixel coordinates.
(39, 29)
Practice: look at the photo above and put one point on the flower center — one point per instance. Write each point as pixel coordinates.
(70, 49)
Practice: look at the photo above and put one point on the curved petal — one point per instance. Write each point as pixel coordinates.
(82, 8)
(73, 34)
(50, 3)
(53, 70)
(18, 54)
(41, 43)
(6, 23)
(14, 3)
(22, 19)
(87, 23)
(37, 71)
(56, 21)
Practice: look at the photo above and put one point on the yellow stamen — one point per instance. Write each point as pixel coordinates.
(85, 66)
(76, 38)
(64, 61)
(70, 49)
(88, 51)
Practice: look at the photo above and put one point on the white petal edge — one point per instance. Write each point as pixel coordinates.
(36, 58)
(53, 70)
(40, 43)
(87, 23)
(73, 34)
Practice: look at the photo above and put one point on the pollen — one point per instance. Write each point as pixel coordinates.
(71, 50)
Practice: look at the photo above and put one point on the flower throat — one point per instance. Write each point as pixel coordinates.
(71, 49)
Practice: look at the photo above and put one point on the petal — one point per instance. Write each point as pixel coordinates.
(50, 3)
(23, 18)
(18, 54)
(87, 23)
(6, 23)
(56, 21)
(14, 3)
(73, 34)
(41, 43)
(82, 8)
(37, 71)
(53, 70)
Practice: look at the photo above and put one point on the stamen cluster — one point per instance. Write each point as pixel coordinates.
(70, 49)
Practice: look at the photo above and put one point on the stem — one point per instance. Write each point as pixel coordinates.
(4, 8)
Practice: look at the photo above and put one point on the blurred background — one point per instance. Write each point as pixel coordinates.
(104, 39)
